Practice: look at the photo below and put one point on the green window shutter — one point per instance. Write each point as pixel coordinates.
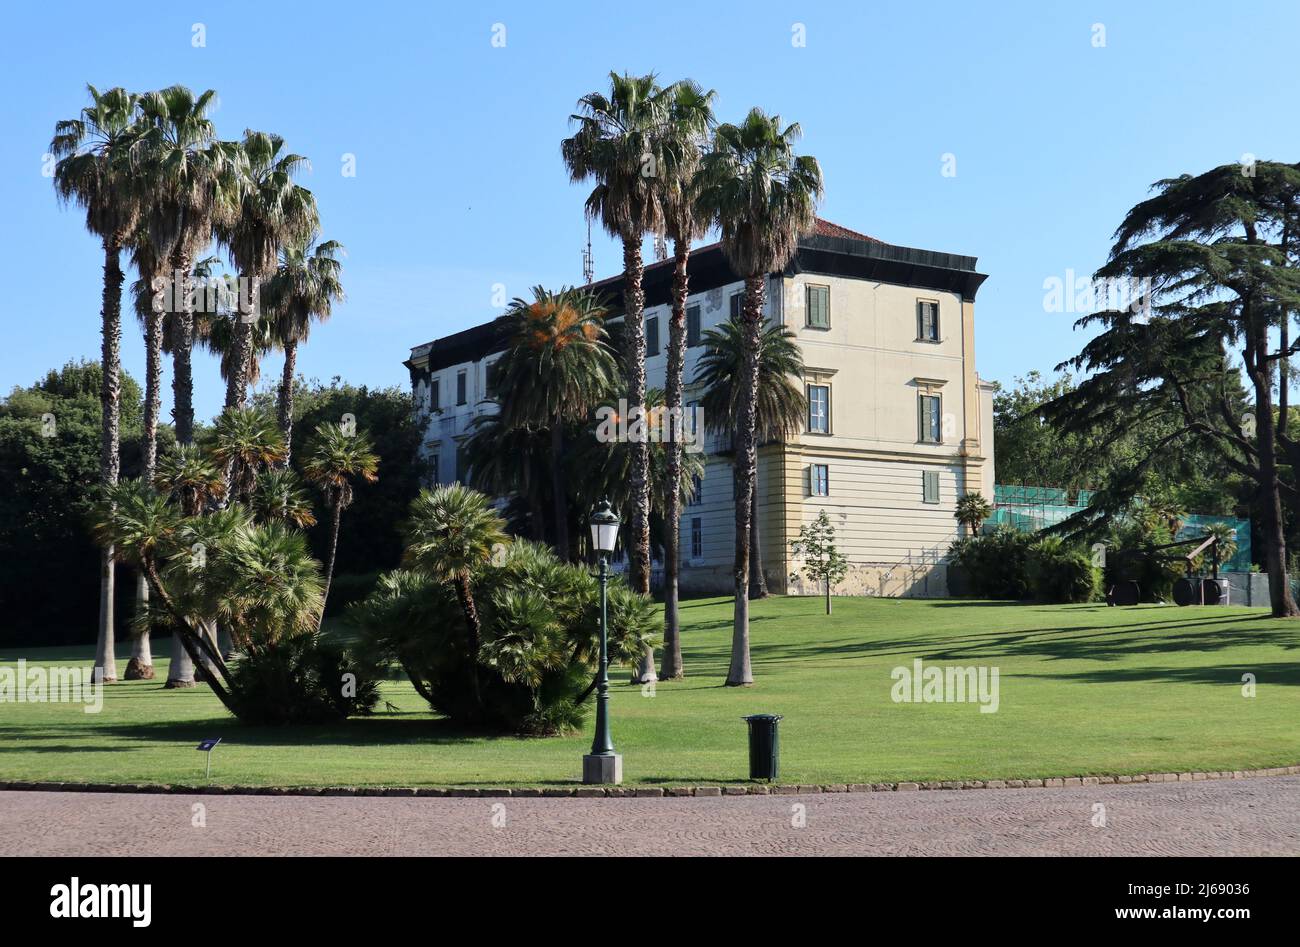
(818, 298)
(930, 486)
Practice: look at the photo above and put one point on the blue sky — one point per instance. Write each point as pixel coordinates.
(459, 183)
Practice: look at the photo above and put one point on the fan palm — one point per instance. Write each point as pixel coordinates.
(449, 537)
(335, 457)
(505, 461)
(780, 407)
(972, 510)
(194, 182)
(274, 212)
(762, 197)
(94, 172)
(689, 125)
(245, 441)
(557, 368)
(278, 496)
(303, 289)
(620, 144)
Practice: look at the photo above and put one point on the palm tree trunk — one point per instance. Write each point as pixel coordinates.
(634, 329)
(140, 667)
(192, 643)
(284, 404)
(237, 383)
(110, 462)
(336, 514)
(757, 581)
(671, 666)
(559, 494)
(182, 351)
(740, 672)
(181, 671)
(473, 628)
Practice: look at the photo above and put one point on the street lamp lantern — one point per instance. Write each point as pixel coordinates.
(602, 764)
(604, 529)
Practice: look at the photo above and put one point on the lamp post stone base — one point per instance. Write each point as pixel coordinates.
(602, 769)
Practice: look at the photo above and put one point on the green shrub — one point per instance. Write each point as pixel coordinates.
(347, 588)
(997, 563)
(539, 641)
(1060, 573)
(1127, 559)
(300, 679)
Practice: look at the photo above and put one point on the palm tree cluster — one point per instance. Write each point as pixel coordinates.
(156, 182)
(662, 165)
(229, 552)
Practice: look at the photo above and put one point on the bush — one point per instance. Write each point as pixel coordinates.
(539, 642)
(1127, 559)
(1063, 574)
(300, 679)
(997, 563)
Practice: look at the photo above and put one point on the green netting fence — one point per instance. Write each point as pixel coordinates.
(1030, 509)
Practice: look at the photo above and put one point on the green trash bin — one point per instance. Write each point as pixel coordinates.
(764, 746)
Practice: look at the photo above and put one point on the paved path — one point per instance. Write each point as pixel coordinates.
(1219, 817)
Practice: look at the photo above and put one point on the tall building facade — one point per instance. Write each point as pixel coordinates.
(899, 424)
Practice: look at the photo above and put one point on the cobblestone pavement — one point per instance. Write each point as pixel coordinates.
(1221, 817)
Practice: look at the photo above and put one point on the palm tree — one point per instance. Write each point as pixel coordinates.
(780, 408)
(690, 123)
(278, 496)
(273, 212)
(762, 197)
(504, 461)
(194, 483)
(556, 370)
(449, 537)
(619, 143)
(972, 510)
(195, 183)
(245, 441)
(94, 172)
(335, 457)
(304, 288)
(145, 528)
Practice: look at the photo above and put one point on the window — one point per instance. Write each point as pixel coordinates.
(435, 466)
(462, 381)
(819, 477)
(462, 465)
(697, 490)
(819, 307)
(927, 320)
(691, 422)
(737, 300)
(930, 486)
(697, 538)
(435, 394)
(692, 326)
(930, 407)
(652, 336)
(819, 409)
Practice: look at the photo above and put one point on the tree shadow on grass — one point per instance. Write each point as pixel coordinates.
(1285, 673)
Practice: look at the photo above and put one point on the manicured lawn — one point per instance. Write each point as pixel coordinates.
(1083, 689)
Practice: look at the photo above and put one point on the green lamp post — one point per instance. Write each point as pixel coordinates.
(602, 764)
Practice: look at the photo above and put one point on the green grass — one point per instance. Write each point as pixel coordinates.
(1083, 689)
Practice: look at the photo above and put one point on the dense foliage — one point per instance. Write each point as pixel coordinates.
(538, 638)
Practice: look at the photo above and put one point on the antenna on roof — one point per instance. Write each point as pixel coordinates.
(588, 262)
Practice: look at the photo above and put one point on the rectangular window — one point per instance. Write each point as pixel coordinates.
(697, 490)
(652, 336)
(927, 320)
(819, 307)
(930, 486)
(462, 466)
(435, 467)
(819, 476)
(737, 300)
(435, 394)
(462, 385)
(819, 409)
(692, 326)
(930, 407)
(697, 538)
